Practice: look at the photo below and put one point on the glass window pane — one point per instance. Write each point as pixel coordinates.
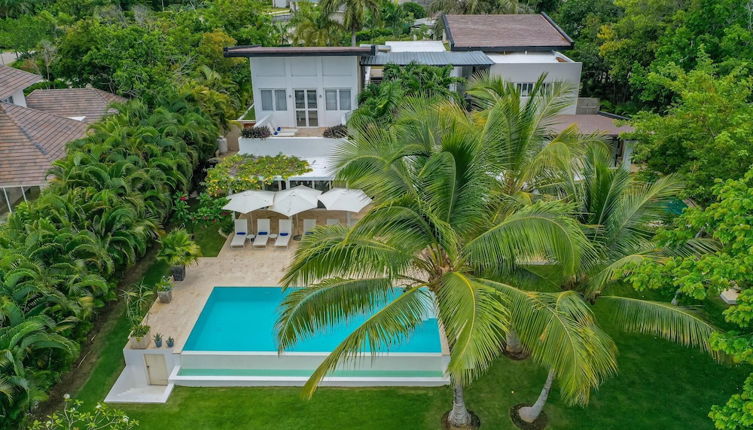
(313, 119)
(311, 96)
(300, 118)
(330, 98)
(344, 99)
(280, 102)
(299, 102)
(266, 100)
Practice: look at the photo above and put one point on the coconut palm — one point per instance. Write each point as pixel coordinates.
(433, 232)
(354, 15)
(465, 7)
(314, 26)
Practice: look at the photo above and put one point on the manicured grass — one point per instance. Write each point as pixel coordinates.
(110, 361)
(660, 386)
(250, 115)
(207, 236)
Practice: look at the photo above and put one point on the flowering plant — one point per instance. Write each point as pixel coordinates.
(74, 416)
(250, 172)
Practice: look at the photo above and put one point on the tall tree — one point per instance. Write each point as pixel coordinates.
(433, 231)
(314, 26)
(354, 13)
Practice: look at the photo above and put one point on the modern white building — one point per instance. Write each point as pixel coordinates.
(303, 87)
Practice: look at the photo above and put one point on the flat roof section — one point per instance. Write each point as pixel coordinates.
(469, 58)
(416, 46)
(504, 33)
(299, 51)
(529, 58)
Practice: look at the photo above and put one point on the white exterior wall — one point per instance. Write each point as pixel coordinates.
(530, 72)
(19, 98)
(291, 73)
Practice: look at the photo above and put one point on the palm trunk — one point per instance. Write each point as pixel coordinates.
(353, 38)
(513, 346)
(530, 414)
(459, 415)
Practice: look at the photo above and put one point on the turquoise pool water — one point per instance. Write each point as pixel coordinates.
(243, 319)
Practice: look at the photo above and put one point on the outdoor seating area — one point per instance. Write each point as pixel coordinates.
(293, 212)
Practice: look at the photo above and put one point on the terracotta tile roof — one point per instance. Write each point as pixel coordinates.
(591, 124)
(12, 80)
(503, 33)
(90, 103)
(30, 140)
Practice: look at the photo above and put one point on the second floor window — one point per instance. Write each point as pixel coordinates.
(526, 88)
(337, 99)
(273, 100)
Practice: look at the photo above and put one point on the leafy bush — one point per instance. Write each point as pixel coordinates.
(414, 9)
(336, 131)
(75, 416)
(177, 248)
(243, 172)
(256, 132)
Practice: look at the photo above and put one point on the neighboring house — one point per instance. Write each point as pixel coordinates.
(83, 104)
(30, 141)
(34, 130)
(12, 85)
(522, 47)
(606, 125)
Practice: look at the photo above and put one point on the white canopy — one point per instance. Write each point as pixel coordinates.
(294, 200)
(250, 200)
(343, 199)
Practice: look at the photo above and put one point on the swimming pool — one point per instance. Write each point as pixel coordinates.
(233, 343)
(243, 319)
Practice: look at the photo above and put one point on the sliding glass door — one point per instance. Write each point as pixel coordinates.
(306, 110)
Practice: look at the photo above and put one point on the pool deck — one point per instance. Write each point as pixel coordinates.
(233, 267)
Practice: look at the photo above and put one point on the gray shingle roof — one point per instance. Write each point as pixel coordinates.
(90, 103)
(504, 33)
(470, 58)
(12, 80)
(30, 140)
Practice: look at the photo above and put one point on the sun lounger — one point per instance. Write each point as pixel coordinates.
(241, 233)
(308, 225)
(262, 233)
(283, 234)
(333, 221)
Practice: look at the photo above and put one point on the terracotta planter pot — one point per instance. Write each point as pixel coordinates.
(179, 273)
(165, 296)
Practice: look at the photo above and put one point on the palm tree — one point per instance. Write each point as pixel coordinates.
(467, 7)
(314, 26)
(354, 15)
(433, 232)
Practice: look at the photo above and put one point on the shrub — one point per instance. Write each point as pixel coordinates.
(256, 132)
(75, 416)
(336, 131)
(414, 9)
(241, 172)
(177, 248)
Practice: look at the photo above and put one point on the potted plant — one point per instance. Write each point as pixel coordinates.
(170, 342)
(178, 250)
(158, 340)
(164, 290)
(139, 336)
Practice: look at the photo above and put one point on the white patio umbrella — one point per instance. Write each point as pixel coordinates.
(294, 200)
(345, 199)
(251, 200)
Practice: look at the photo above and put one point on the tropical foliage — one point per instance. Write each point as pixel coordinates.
(727, 221)
(314, 26)
(177, 248)
(354, 15)
(62, 253)
(377, 103)
(250, 172)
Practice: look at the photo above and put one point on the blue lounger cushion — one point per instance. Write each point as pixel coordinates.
(283, 234)
(240, 233)
(262, 233)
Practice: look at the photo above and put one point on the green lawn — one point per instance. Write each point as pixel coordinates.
(660, 386)
(207, 236)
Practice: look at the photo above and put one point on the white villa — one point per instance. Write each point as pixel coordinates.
(299, 91)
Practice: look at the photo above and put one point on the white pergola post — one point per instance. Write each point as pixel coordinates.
(7, 200)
